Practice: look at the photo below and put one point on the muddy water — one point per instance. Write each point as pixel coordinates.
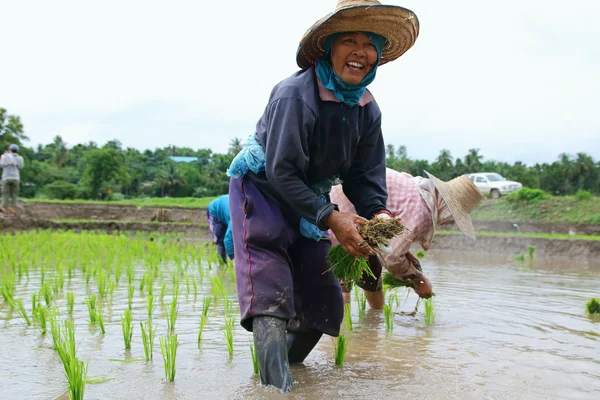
(502, 331)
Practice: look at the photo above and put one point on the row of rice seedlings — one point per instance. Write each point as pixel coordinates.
(168, 349)
(148, 338)
(348, 316)
(127, 328)
(429, 311)
(341, 345)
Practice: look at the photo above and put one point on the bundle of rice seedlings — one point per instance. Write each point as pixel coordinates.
(127, 328)
(148, 338)
(593, 306)
(390, 282)
(379, 231)
(376, 232)
(70, 302)
(341, 346)
(346, 267)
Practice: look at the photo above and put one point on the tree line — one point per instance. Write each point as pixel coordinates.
(90, 171)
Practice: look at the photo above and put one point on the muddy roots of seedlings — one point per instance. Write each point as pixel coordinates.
(379, 231)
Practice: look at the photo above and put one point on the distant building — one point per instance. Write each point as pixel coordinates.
(183, 159)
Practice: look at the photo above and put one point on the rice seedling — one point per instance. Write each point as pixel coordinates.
(362, 305)
(389, 317)
(531, 252)
(348, 316)
(46, 293)
(420, 254)
(593, 306)
(163, 291)
(70, 302)
(171, 314)
(217, 286)
(42, 313)
(130, 292)
(34, 305)
(520, 257)
(205, 305)
(255, 365)
(148, 338)
(102, 283)
(228, 333)
(168, 349)
(54, 328)
(203, 320)
(22, 312)
(127, 328)
(75, 370)
(100, 320)
(195, 290)
(91, 306)
(150, 302)
(341, 345)
(429, 311)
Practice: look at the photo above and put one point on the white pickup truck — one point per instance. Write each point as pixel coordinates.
(493, 184)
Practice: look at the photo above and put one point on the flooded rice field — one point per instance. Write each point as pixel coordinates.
(502, 329)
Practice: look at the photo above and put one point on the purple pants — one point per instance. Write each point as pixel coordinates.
(279, 272)
(218, 230)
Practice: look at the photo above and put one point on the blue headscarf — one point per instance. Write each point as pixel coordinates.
(347, 93)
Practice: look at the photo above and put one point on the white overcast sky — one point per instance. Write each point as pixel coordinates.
(517, 79)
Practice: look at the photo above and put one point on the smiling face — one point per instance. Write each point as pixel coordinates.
(353, 56)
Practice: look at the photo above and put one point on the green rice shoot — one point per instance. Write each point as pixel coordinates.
(389, 317)
(429, 311)
(91, 306)
(346, 267)
(171, 314)
(127, 328)
(100, 320)
(168, 349)
(340, 350)
(22, 312)
(148, 339)
(255, 365)
(228, 333)
(362, 305)
(389, 282)
(348, 316)
(70, 302)
(130, 292)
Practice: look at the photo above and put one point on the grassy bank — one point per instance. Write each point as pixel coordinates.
(186, 202)
(553, 209)
(526, 235)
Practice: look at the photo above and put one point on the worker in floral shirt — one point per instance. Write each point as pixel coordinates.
(423, 205)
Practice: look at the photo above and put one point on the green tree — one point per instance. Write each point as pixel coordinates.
(444, 166)
(235, 146)
(473, 161)
(169, 176)
(11, 130)
(103, 166)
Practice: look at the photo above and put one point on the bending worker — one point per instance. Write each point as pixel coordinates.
(320, 126)
(219, 223)
(423, 205)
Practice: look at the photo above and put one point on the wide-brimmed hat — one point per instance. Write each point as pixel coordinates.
(462, 197)
(398, 25)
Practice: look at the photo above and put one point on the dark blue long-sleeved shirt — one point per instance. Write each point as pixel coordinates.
(307, 139)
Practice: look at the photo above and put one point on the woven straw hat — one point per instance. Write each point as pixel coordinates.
(461, 197)
(398, 25)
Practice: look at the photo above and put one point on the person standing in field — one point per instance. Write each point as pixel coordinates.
(10, 162)
(219, 222)
(321, 126)
(422, 205)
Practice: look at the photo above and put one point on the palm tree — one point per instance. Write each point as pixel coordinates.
(59, 151)
(235, 146)
(473, 160)
(444, 164)
(169, 176)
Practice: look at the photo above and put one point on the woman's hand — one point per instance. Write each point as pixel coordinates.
(343, 226)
